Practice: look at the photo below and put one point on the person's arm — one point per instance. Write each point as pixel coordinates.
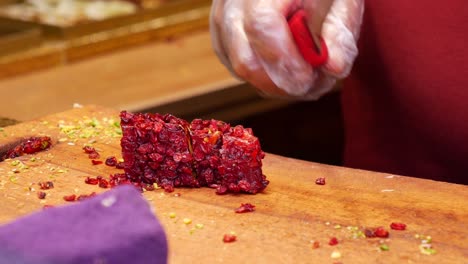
(252, 39)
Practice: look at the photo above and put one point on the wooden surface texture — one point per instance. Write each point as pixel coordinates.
(137, 78)
(291, 213)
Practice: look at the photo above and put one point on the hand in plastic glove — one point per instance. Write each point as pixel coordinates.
(252, 39)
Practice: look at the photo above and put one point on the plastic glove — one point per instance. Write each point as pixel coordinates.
(252, 39)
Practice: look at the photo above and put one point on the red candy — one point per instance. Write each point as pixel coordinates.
(88, 149)
(69, 198)
(381, 232)
(397, 226)
(28, 146)
(369, 233)
(315, 245)
(91, 181)
(96, 162)
(245, 208)
(46, 185)
(241, 162)
(120, 165)
(111, 161)
(229, 238)
(41, 195)
(104, 184)
(333, 241)
(169, 151)
(92, 153)
(320, 181)
(85, 196)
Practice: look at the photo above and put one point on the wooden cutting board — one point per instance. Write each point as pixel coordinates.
(290, 214)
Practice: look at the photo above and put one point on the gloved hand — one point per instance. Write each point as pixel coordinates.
(253, 40)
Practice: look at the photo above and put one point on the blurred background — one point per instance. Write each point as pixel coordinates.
(146, 56)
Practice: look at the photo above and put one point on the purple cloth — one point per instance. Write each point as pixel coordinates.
(115, 227)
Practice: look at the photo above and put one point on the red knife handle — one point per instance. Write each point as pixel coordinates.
(304, 41)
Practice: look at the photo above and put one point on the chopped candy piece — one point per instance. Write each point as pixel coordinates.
(111, 161)
(381, 232)
(41, 195)
(70, 198)
(169, 151)
(333, 241)
(245, 208)
(88, 149)
(369, 233)
(229, 238)
(397, 226)
(27, 146)
(315, 244)
(96, 162)
(46, 185)
(155, 149)
(320, 181)
(92, 181)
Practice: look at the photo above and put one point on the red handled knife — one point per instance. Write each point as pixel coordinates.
(309, 42)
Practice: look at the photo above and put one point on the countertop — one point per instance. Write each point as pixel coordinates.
(294, 220)
(137, 78)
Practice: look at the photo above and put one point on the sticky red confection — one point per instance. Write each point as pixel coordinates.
(41, 195)
(111, 161)
(169, 151)
(206, 137)
(155, 149)
(89, 149)
(245, 208)
(333, 241)
(96, 162)
(119, 179)
(28, 146)
(241, 162)
(229, 238)
(46, 185)
(381, 232)
(320, 181)
(104, 183)
(120, 165)
(315, 245)
(85, 196)
(91, 181)
(94, 155)
(397, 226)
(369, 233)
(69, 198)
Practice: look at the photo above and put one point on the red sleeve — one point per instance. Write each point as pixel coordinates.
(406, 102)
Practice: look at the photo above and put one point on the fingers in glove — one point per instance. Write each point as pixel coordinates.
(216, 25)
(341, 31)
(243, 61)
(323, 85)
(270, 39)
